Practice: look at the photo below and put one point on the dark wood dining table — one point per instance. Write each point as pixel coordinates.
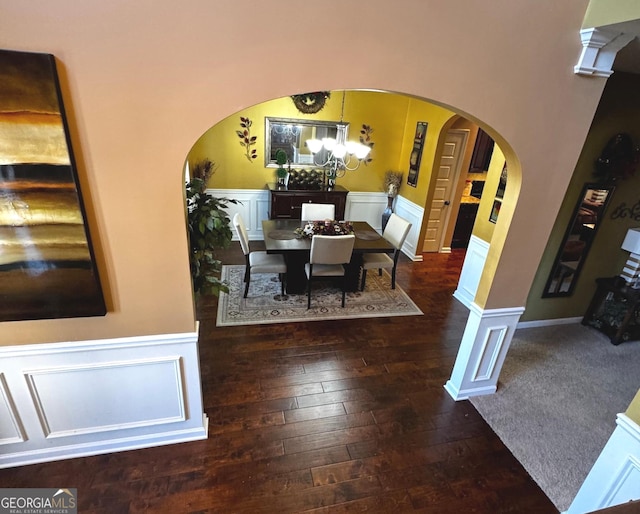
(280, 237)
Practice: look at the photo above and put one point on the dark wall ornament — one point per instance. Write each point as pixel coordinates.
(47, 264)
(365, 139)
(416, 153)
(619, 159)
(246, 139)
(623, 211)
(311, 103)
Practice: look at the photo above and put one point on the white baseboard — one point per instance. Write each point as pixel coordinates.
(80, 398)
(549, 322)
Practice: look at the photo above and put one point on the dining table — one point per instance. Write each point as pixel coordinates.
(280, 237)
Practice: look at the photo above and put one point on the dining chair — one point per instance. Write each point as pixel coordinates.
(260, 261)
(328, 257)
(395, 232)
(317, 211)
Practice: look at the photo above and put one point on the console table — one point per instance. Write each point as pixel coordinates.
(287, 203)
(614, 310)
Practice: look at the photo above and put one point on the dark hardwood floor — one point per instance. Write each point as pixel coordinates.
(320, 417)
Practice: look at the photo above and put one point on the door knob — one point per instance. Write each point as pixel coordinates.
(447, 202)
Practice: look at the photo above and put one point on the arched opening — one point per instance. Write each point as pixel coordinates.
(406, 134)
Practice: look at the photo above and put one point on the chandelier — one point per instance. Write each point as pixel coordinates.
(337, 155)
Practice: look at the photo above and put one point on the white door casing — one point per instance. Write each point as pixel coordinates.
(446, 181)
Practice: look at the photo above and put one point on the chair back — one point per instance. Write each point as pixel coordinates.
(238, 223)
(396, 230)
(331, 249)
(317, 211)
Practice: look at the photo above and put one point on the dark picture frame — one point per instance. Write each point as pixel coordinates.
(416, 153)
(47, 264)
(576, 243)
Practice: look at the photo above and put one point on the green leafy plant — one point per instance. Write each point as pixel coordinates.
(209, 230)
(281, 160)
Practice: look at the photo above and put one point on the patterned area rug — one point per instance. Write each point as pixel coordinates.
(264, 303)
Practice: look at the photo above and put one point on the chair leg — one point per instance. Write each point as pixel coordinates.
(282, 284)
(246, 285)
(344, 288)
(309, 289)
(363, 279)
(379, 272)
(393, 278)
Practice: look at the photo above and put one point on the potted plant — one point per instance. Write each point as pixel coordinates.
(281, 160)
(209, 229)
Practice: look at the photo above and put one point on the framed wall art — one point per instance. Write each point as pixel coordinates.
(416, 153)
(47, 265)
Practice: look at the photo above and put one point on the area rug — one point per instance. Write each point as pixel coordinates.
(560, 390)
(264, 303)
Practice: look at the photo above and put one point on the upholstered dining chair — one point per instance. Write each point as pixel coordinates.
(328, 257)
(395, 232)
(258, 262)
(317, 211)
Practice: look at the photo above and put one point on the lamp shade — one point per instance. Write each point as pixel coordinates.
(631, 241)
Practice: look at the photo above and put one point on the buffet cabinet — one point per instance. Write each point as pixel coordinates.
(287, 203)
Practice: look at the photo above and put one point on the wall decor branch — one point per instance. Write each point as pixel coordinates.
(365, 139)
(246, 139)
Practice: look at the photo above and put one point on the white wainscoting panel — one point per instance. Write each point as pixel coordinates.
(361, 206)
(413, 213)
(11, 430)
(254, 208)
(615, 476)
(89, 397)
(472, 267)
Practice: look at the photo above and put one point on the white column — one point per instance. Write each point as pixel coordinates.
(484, 345)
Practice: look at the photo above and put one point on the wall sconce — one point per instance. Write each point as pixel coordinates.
(631, 271)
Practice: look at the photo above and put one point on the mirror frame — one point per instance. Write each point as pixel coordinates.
(556, 272)
(271, 122)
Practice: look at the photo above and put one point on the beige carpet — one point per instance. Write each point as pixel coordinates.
(560, 390)
(264, 303)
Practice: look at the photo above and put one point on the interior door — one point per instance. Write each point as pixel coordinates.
(448, 173)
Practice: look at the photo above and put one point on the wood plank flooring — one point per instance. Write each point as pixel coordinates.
(320, 417)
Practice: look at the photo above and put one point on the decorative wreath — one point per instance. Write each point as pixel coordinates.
(310, 103)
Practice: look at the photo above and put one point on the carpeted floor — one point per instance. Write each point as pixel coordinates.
(264, 303)
(559, 392)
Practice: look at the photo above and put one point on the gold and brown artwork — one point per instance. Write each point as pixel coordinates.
(47, 268)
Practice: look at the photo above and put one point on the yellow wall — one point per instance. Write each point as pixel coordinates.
(142, 84)
(392, 117)
(606, 12)
(634, 409)
(483, 228)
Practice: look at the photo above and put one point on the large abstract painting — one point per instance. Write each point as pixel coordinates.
(47, 266)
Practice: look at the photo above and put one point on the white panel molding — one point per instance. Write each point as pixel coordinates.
(484, 346)
(472, 267)
(89, 397)
(42, 382)
(413, 213)
(599, 49)
(615, 476)
(361, 206)
(254, 208)
(11, 430)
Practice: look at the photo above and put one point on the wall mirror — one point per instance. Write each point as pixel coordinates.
(291, 135)
(587, 217)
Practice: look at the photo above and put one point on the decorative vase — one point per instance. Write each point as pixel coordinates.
(388, 211)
